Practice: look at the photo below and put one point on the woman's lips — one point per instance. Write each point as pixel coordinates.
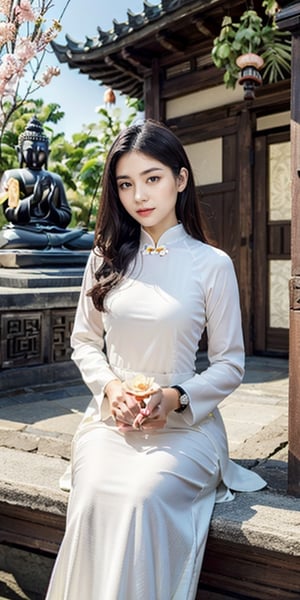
(144, 212)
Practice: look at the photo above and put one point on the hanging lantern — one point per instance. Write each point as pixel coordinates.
(109, 97)
(250, 76)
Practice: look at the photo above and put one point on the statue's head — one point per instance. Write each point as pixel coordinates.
(33, 148)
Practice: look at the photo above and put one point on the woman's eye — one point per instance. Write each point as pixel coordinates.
(153, 178)
(124, 186)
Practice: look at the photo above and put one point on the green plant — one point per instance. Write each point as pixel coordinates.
(251, 34)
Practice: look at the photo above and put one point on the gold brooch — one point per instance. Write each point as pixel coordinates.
(160, 250)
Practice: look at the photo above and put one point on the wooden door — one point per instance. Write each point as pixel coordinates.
(220, 219)
(271, 243)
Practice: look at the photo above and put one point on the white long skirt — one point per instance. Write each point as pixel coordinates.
(138, 515)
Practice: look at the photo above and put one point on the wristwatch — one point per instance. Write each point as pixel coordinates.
(183, 399)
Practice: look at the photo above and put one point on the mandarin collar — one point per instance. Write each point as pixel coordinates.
(172, 235)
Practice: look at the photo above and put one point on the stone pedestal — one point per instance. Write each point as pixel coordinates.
(49, 257)
(37, 308)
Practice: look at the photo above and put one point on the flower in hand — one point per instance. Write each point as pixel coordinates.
(141, 387)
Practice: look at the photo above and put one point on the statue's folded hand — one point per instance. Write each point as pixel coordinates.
(53, 195)
(40, 190)
(46, 181)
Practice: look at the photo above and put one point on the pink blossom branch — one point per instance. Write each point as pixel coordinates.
(23, 44)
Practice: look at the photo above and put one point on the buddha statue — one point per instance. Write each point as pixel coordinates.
(34, 200)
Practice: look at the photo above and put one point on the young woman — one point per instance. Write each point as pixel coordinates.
(150, 457)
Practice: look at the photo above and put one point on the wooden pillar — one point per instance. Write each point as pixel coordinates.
(153, 104)
(294, 387)
(246, 226)
(289, 18)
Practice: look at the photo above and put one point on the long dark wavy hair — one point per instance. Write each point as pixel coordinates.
(117, 234)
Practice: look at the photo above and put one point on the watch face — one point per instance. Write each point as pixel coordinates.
(184, 400)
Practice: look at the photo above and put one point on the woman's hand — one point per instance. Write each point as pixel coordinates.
(154, 415)
(128, 413)
(124, 407)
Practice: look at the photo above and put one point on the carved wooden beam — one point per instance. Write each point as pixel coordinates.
(134, 60)
(206, 27)
(170, 42)
(118, 67)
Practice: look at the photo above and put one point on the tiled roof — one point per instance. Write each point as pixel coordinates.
(123, 56)
(151, 13)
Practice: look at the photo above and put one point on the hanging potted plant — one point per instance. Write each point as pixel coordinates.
(251, 43)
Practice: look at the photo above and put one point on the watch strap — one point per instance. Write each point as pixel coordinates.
(183, 399)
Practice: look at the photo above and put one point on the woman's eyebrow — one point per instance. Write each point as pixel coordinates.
(146, 172)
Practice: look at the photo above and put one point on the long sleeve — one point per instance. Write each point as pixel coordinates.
(225, 345)
(87, 338)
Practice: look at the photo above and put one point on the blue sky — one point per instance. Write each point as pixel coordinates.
(77, 95)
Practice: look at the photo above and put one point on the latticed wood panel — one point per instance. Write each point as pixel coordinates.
(30, 338)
